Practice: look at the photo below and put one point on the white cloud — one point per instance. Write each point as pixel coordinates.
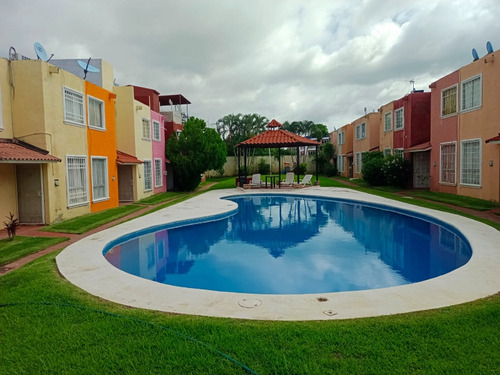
(291, 60)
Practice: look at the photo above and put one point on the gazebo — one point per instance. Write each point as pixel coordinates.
(274, 137)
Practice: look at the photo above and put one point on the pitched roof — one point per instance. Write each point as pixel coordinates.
(125, 159)
(277, 138)
(17, 151)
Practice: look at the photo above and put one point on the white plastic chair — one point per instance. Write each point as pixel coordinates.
(256, 180)
(289, 179)
(306, 180)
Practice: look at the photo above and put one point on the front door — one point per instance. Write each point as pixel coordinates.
(125, 183)
(30, 194)
(421, 169)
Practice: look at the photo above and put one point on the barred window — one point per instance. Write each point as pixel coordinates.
(341, 138)
(158, 173)
(387, 152)
(448, 163)
(399, 119)
(74, 111)
(146, 128)
(399, 153)
(449, 101)
(76, 180)
(361, 131)
(359, 162)
(148, 176)
(470, 162)
(388, 122)
(99, 178)
(156, 131)
(96, 113)
(471, 93)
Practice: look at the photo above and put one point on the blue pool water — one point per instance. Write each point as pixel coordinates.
(295, 245)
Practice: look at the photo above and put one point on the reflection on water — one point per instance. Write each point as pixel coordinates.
(295, 245)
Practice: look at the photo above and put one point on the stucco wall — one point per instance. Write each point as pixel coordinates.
(159, 152)
(386, 137)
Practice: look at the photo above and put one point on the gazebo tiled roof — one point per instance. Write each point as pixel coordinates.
(274, 138)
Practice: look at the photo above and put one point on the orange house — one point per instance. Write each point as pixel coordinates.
(101, 140)
(344, 150)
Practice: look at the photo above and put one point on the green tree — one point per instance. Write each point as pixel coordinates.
(197, 150)
(237, 128)
(372, 170)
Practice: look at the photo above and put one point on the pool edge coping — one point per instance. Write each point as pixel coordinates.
(83, 264)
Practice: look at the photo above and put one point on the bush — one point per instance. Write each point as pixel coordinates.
(396, 171)
(330, 170)
(302, 168)
(372, 170)
(263, 167)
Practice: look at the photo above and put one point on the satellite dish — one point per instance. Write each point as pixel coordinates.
(489, 47)
(87, 67)
(475, 56)
(40, 52)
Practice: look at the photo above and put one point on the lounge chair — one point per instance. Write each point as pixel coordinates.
(289, 179)
(306, 180)
(256, 180)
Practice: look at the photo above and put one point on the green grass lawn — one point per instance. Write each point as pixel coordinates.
(82, 224)
(21, 246)
(49, 326)
(457, 200)
(161, 197)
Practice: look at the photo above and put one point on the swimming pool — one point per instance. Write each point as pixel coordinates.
(277, 244)
(84, 265)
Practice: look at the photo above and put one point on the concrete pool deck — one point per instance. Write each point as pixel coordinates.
(83, 264)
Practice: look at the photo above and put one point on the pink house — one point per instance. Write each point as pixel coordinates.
(465, 116)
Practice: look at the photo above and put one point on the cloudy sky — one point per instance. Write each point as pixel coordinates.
(322, 60)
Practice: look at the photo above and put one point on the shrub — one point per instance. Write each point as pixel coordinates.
(372, 169)
(263, 167)
(11, 225)
(396, 171)
(330, 170)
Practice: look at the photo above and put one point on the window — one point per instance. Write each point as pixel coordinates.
(387, 152)
(156, 131)
(146, 129)
(449, 101)
(361, 131)
(341, 163)
(341, 138)
(448, 163)
(399, 153)
(76, 180)
(471, 93)
(388, 122)
(158, 173)
(399, 119)
(359, 161)
(148, 177)
(74, 111)
(99, 179)
(470, 162)
(96, 113)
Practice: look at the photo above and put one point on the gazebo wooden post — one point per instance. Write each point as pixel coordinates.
(279, 169)
(298, 165)
(240, 182)
(317, 166)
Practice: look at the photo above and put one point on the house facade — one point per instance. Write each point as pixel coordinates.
(345, 150)
(366, 139)
(386, 136)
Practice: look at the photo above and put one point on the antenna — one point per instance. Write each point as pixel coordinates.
(40, 52)
(489, 47)
(87, 67)
(413, 85)
(475, 56)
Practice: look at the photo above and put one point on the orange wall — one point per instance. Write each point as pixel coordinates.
(103, 143)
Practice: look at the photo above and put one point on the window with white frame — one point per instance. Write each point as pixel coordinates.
(96, 113)
(449, 101)
(388, 122)
(399, 118)
(158, 173)
(76, 180)
(471, 93)
(361, 131)
(156, 131)
(341, 138)
(99, 169)
(399, 153)
(74, 108)
(341, 163)
(148, 175)
(448, 163)
(387, 152)
(146, 128)
(470, 162)
(359, 161)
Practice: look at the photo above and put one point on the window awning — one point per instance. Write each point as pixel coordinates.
(19, 152)
(123, 158)
(494, 140)
(426, 146)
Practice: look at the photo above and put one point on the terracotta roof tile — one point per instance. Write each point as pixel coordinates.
(277, 138)
(124, 159)
(14, 150)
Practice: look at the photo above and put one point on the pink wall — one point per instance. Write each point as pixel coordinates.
(159, 152)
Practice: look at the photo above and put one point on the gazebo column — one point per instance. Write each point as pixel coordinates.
(317, 166)
(298, 165)
(279, 169)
